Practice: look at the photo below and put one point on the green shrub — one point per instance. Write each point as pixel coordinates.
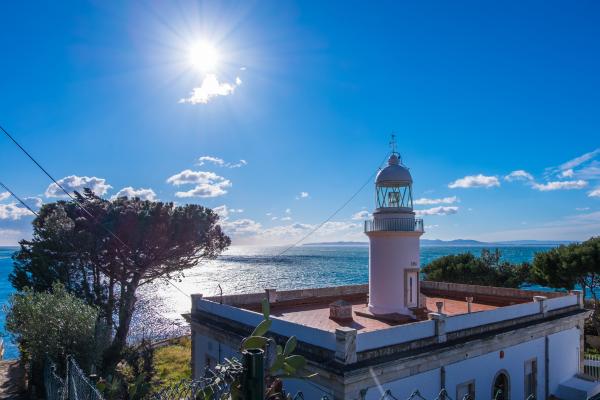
(52, 324)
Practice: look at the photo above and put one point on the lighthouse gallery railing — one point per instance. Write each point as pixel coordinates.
(395, 225)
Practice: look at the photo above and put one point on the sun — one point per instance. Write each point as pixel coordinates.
(203, 56)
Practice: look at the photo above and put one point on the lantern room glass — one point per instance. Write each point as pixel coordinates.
(394, 196)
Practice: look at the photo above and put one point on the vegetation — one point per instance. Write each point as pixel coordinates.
(172, 363)
(53, 324)
(487, 269)
(572, 266)
(105, 251)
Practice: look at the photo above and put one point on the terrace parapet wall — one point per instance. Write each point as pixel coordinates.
(363, 346)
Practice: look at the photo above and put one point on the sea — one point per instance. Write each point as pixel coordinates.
(247, 269)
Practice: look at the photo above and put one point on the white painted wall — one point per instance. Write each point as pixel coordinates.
(483, 370)
(390, 254)
(204, 346)
(563, 349)
(394, 335)
(428, 383)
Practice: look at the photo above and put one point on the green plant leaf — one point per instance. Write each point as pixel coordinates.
(262, 328)
(266, 309)
(279, 349)
(254, 342)
(290, 346)
(278, 363)
(295, 361)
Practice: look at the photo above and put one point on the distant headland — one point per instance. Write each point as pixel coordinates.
(458, 242)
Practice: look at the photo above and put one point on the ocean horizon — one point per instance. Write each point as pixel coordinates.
(246, 269)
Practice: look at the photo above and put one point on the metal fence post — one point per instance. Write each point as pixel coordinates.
(253, 380)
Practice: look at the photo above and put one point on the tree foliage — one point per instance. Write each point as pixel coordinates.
(572, 266)
(53, 324)
(487, 270)
(104, 251)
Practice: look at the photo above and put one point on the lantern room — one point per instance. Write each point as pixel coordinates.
(394, 186)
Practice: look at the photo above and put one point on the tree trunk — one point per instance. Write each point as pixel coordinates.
(112, 355)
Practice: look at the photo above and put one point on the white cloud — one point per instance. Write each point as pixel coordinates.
(473, 181)
(208, 184)
(518, 175)
(220, 162)
(581, 208)
(446, 200)
(130, 192)
(286, 218)
(4, 196)
(442, 210)
(13, 212)
(577, 161)
(559, 185)
(590, 171)
(288, 210)
(302, 195)
(594, 193)
(34, 202)
(210, 88)
(569, 173)
(224, 211)
(11, 237)
(247, 231)
(241, 227)
(361, 215)
(73, 183)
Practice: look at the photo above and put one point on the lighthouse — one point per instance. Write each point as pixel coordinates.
(394, 234)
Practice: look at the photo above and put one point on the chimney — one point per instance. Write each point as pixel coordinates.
(340, 310)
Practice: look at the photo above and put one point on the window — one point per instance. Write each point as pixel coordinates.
(501, 388)
(209, 362)
(393, 199)
(531, 378)
(466, 391)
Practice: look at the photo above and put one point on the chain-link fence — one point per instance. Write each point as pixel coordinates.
(76, 386)
(218, 383)
(53, 384)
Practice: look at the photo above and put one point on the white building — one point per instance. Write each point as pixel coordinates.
(404, 334)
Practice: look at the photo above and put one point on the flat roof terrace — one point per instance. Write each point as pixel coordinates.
(304, 313)
(316, 315)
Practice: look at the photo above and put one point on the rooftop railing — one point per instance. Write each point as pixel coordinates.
(394, 225)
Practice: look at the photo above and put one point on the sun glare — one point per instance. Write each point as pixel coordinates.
(204, 56)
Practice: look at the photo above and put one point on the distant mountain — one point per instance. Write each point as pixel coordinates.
(455, 242)
(458, 243)
(337, 244)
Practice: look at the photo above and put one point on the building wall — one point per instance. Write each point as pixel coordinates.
(483, 370)
(390, 254)
(204, 349)
(564, 354)
(428, 383)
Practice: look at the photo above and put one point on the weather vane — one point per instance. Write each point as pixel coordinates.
(393, 144)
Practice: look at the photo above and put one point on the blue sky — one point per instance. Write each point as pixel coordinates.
(302, 98)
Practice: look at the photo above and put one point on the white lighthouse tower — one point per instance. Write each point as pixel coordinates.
(394, 236)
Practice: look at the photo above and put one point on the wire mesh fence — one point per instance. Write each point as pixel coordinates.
(53, 384)
(221, 382)
(78, 385)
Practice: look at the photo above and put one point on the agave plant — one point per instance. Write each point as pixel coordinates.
(284, 364)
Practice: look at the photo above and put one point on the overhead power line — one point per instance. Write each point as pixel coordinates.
(74, 199)
(312, 231)
(19, 199)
